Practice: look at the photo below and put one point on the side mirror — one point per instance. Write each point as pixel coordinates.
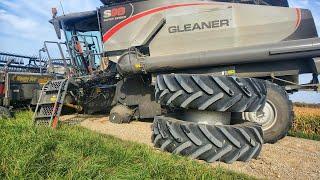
(56, 25)
(55, 22)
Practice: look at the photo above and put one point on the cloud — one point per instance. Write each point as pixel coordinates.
(39, 7)
(18, 23)
(76, 6)
(18, 26)
(9, 4)
(29, 19)
(24, 23)
(299, 3)
(306, 97)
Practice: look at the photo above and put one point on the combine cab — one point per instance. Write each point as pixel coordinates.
(213, 75)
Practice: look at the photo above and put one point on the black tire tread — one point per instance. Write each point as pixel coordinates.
(213, 93)
(226, 143)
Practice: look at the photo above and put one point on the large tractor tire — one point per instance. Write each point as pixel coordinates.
(226, 143)
(276, 117)
(211, 93)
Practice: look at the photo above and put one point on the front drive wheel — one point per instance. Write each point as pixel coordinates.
(276, 117)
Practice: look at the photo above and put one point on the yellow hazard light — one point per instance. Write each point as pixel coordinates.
(231, 72)
(138, 66)
(53, 99)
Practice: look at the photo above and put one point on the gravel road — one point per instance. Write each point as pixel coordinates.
(290, 158)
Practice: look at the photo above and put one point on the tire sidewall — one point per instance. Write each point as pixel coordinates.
(278, 97)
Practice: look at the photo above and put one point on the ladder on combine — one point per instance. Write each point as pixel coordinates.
(50, 103)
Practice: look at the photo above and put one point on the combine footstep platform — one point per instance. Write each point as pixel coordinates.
(50, 103)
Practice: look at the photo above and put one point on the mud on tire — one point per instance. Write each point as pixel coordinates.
(226, 143)
(213, 93)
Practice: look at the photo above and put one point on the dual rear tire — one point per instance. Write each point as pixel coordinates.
(265, 113)
(202, 139)
(263, 103)
(249, 99)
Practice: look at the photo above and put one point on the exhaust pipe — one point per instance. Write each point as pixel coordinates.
(131, 62)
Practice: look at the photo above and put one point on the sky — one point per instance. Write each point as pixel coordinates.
(24, 26)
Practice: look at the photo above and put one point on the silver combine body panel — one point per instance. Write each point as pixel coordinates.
(176, 27)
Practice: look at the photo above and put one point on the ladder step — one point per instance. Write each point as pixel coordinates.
(46, 103)
(52, 91)
(49, 103)
(43, 116)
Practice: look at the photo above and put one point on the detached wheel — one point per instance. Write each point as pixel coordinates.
(5, 113)
(226, 143)
(276, 117)
(120, 114)
(210, 93)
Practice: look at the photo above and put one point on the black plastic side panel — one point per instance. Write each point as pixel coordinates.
(137, 92)
(306, 28)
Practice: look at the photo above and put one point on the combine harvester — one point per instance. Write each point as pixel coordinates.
(215, 76)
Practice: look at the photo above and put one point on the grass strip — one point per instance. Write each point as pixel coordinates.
(28, 152)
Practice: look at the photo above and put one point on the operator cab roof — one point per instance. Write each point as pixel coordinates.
(88, 20)
(80, 21)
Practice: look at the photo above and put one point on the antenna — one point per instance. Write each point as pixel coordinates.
(61, 7)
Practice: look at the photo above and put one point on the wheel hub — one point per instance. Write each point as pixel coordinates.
(266, 118)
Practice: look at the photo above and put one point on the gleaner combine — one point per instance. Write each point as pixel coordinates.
(213, 75)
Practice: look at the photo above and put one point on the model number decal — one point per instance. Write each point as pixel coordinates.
(199, 26)
(118, 13)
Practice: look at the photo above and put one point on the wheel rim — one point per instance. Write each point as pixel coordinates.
(266, 118)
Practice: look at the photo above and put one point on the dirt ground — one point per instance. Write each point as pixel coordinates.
(290, 158)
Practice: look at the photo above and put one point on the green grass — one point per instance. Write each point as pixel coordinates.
(301, 134)
(28, 152)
